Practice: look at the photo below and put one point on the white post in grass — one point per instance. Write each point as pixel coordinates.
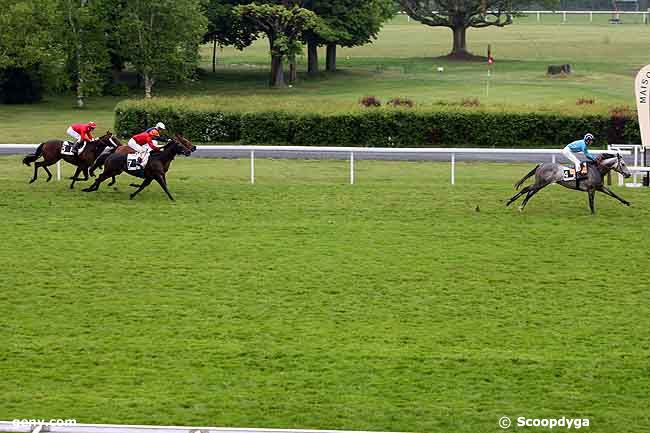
(252, 167)
(591, 17)
(58, 170)
(351, 168)
(453, 169)
(553, 159)
(538, 17)
(564, 17)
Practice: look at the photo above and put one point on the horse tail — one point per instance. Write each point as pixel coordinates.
(523, 179)
(34, 156)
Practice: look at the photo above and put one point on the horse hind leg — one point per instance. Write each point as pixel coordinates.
(142, 186)
(519, 194)
(534, 190)
(49, 173)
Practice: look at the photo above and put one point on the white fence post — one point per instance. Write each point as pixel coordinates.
(538, 16)
(553, 159)
(351, 168)
(252, 167)
(564, 17)
(591, 17)
(453, 169)
(58, 170)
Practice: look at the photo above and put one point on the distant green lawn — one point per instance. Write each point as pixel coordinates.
(302, 301)
(402, 62)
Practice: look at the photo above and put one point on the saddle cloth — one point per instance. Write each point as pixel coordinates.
(568, 173)
(68, 149)
(132, 163)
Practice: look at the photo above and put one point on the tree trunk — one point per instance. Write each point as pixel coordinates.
(277, 71)
(80, 80)
(214, 56)
(148, 84)
(460, 42)
(312, 58)
(331, 57)
(293, 72)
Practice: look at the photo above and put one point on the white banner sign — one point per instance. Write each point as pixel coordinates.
(641, 91)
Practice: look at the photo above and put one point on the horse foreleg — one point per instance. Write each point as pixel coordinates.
(611, 193)
(49, 173)
(112, 181)
(95, 186)
(163, 183)
(591, 194)
(144, 184)
(519, 194)
(36, 165)
(74, 177)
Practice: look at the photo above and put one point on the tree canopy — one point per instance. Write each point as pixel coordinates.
(459, 15)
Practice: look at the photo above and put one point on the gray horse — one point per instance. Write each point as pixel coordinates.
(548, 173)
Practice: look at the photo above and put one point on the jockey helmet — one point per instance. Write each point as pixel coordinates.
(160, 125)
(154, 133)
(589, 137)
(92, 124)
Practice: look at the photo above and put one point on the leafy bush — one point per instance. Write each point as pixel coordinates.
(401, 102)
(585, 101)
(370, 101)
(385, 127)
(20, 85)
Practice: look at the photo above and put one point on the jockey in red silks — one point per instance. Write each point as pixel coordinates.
(81, 132)
(143, 144)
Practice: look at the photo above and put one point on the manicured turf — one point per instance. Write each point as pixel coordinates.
(302, 301)
(401, 63)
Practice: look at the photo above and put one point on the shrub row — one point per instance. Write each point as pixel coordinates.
(379, 127)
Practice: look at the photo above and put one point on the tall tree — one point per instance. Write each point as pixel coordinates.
(161, 38)
(459, 15)
(29, 50)
(349, 23)
(83, 31)
(225, 28)
(284, 27)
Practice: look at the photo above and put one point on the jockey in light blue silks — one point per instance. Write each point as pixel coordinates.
(579, 146)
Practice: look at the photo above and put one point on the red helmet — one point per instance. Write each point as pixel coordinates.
(92, 124)
(154, 133)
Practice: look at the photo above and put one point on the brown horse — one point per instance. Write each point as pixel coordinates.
(51, 153)
(125, 150)
(155, 169)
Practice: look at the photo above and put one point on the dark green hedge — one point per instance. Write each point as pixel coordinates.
(379, 127)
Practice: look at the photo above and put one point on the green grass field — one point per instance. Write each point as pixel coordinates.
(302, 301)
(401, 63)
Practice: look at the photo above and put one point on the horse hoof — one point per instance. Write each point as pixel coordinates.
(131, 196)
(32, 181)
(48, 179)
(521, 208)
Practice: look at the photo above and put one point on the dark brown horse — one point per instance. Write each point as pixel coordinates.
(125, 150)
(155, 169)
(51, 153)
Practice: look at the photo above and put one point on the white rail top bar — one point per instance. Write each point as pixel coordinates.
(363, 149)
(10, 427)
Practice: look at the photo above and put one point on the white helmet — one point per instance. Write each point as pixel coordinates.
(589, 137)
(160, 125)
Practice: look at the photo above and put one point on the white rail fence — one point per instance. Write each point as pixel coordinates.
(565, 14)
(350, 153)
(44, 426)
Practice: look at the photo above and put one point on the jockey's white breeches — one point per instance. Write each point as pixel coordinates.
(137, 147)
(571, 157)
(74, 134)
